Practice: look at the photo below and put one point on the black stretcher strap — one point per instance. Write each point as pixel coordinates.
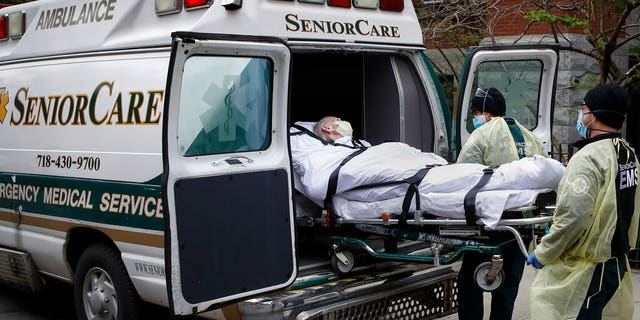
(393, 182)
(377, 184)
(357, 144)
(333, 179)
(414, 183)
(470, 197)
(309, 132)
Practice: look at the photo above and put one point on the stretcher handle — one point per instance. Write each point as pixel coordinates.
(516, 235)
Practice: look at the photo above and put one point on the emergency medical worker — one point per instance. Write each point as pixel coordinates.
(496, 140)
(583, 258)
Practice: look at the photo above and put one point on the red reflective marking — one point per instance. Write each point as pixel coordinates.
(339, 3)
(392, 5)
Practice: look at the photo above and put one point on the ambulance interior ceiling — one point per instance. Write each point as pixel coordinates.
(364, 90)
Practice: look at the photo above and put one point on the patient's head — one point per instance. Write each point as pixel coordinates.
(332, 128)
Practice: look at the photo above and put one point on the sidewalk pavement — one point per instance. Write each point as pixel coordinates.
(521, 311)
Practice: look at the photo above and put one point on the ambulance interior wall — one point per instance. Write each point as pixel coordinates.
(372, 91)
(375, 92)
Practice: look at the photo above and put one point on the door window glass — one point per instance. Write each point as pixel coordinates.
(225, 105)
(519, 82)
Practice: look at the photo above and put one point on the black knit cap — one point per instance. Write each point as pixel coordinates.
(492, 100)
(609, 103)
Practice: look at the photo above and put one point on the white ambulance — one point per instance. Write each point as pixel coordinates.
(145, 156)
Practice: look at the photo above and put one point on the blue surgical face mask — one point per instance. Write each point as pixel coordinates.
(583, 130)
(479, 120)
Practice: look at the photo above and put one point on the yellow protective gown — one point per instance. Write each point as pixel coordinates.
(493, 144)
(580, 236)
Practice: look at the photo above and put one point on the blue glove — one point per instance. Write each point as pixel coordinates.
(534, 261)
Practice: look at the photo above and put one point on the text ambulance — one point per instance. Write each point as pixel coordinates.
(144, 150)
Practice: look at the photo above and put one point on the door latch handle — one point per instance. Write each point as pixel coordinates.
(235, 160)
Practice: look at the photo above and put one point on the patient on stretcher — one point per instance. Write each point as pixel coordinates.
(360, 181)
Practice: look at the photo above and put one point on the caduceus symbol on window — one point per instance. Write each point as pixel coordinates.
(229, 104)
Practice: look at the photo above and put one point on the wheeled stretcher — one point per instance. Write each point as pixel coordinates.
(394, 192)
(452, 234)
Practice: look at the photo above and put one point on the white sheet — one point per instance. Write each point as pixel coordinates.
(442, 190)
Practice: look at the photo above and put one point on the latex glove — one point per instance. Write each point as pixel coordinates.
(532, 260)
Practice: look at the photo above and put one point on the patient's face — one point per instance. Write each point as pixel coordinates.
(330, 128)
(328, 123)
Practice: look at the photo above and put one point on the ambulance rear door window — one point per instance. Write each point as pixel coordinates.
(225, 105)
(519, 81)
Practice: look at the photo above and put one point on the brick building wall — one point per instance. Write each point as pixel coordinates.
(514, 24)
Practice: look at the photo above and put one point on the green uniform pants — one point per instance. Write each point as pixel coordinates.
(600, 295)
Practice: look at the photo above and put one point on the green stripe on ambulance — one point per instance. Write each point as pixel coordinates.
(135, 205)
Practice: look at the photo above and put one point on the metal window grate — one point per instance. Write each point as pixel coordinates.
(430, 302)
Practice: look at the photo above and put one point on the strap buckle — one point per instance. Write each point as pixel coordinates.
(489, 169)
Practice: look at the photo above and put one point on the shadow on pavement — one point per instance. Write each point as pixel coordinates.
(55, 303)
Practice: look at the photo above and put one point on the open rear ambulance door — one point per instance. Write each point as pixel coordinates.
(526, 76)
(229, 231)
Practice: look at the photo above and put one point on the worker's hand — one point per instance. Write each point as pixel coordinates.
(534, 261)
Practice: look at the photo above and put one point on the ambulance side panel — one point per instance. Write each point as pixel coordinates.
(81, 107)
(81, 158)
(70, 26)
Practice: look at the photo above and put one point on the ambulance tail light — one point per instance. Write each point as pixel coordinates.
(366, 4)
(174, 6)
(17, 24)
(392, 5)
(339, 3)
(197, 4)
(168, 6)
(4, 24)
(387, 5)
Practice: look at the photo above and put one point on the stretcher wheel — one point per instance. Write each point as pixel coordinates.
(480, 277)
(343, 261)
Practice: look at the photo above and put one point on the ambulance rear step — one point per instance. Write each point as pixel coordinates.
(18, 271)
(409, 292)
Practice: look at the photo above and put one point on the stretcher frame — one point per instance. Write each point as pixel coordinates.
(455, 233)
